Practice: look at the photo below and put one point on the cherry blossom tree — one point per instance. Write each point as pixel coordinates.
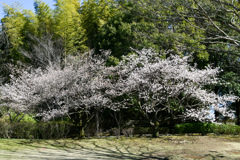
(169, 87)
(55, 91)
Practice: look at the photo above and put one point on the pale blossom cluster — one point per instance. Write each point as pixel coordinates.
(55, 91)
(170, 86)
(163, 87)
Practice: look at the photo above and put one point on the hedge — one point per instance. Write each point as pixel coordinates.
(41, 130)
(205, 128)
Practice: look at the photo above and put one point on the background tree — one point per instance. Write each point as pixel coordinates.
(13, 24)
(219, 20)
(44, 52)
(4, 54)
(122, 32)
(68, 25)
(168, 30)
(44, 15)
(95, 13)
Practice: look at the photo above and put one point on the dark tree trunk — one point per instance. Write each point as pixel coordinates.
(238, 112)
(155, 133)
(81, 132)
(216, 113)
(97, 123)
(81, 127)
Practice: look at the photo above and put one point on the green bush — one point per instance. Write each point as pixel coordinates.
(205, 128)
(202, 128)
(52, 130)
(4, 116)
(41, 130)
(28, 119)
(22, 130)
(226, 129)
(5, 130)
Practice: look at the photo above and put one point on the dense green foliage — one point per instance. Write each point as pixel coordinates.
(205, 128)
(194, 128)
(47, 130)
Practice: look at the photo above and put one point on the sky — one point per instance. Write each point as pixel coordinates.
(26, 4)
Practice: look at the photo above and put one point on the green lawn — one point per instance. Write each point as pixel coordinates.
(165, 147)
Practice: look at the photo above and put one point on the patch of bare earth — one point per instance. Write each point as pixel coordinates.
(165, 147)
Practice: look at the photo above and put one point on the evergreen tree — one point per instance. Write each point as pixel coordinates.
(168, 30)
(95, 13)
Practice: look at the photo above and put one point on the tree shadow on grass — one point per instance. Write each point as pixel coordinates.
(112, 149)
(78, 151)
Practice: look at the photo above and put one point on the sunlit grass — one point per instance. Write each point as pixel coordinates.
(130, 148)
(109, 143)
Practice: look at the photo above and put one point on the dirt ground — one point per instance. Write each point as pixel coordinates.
(165, 147)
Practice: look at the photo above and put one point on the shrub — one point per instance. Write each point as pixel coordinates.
(41, 130)
(26, 118)
(202, 128)
(22, 130)
(226, 129)
(5, 130)
(207, 128)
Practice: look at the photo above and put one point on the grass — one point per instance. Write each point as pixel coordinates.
(19, 144)
(111, 143)
(129, 148)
